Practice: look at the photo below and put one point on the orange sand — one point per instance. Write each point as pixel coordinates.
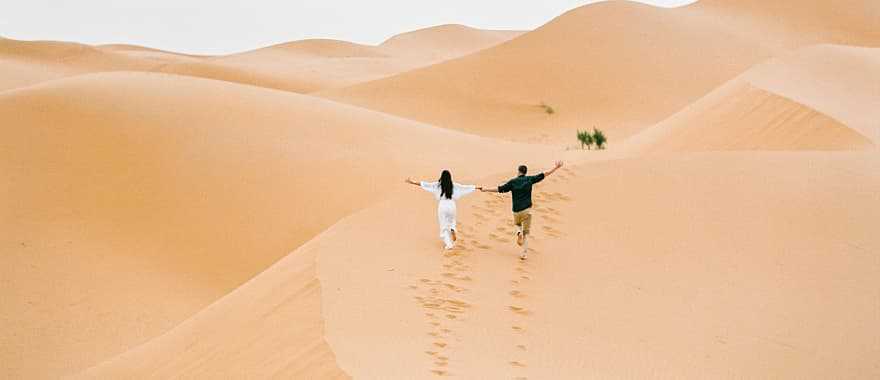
(175, 216)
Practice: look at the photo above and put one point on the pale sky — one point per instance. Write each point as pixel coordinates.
(225, 26)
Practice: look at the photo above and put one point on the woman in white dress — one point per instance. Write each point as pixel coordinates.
(446, 193)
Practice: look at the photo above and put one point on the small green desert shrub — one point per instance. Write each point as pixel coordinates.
(585, 138)
(548, 109)
(599, 138)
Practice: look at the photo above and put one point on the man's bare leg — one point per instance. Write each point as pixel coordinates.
(525, 245)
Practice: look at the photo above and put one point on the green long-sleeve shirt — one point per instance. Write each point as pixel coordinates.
(521, 187)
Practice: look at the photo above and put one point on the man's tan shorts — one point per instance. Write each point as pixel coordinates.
(523, 219)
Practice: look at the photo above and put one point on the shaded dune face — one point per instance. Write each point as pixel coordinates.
(595, 67)
(131, 189)
(278, 314)
(739, 116)
(840, 81)
(820, 97)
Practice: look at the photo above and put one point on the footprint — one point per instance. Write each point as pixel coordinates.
(440, 344)
(521, 347)
(455, 277)
(517, 294)
(454, 288)
(517, 328)
(517, 364)
(519, 310)
(439, 372)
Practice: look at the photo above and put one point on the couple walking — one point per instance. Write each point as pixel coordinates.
(447, 192)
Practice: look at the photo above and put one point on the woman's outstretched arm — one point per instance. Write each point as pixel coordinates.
(411, 182)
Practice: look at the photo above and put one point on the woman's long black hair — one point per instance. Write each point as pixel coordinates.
(446, 184)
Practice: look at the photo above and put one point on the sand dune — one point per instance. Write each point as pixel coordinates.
(141, 52)
(739, 116)
(24, 63)
(299, 66)
(840, 81)
(597, 66)
(312, 65)
(129, 189)
(778, 105)
(271, 327)
(175, 216)
(788, 24)
(443, 42)
(738, 265)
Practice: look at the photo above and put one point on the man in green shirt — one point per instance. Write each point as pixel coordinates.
(521, 189)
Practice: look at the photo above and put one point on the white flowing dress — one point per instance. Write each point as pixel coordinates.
(446, 207)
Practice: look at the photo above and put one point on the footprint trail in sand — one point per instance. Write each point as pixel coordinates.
(443, 295)
(442, 299)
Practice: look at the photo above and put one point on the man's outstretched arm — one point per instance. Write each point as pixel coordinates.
(489, 189)
(555, 167)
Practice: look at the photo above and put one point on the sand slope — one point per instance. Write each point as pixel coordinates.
(164, 220)
(443, 42)
(312, 65)
(128, 189)
(739, 116)
(271, 327)
(840, 81)
(740, 265)
(779, 104)
(597, 66)
(299, 66)
(23, 63)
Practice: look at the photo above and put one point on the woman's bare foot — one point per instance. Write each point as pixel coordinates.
(452, 235)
